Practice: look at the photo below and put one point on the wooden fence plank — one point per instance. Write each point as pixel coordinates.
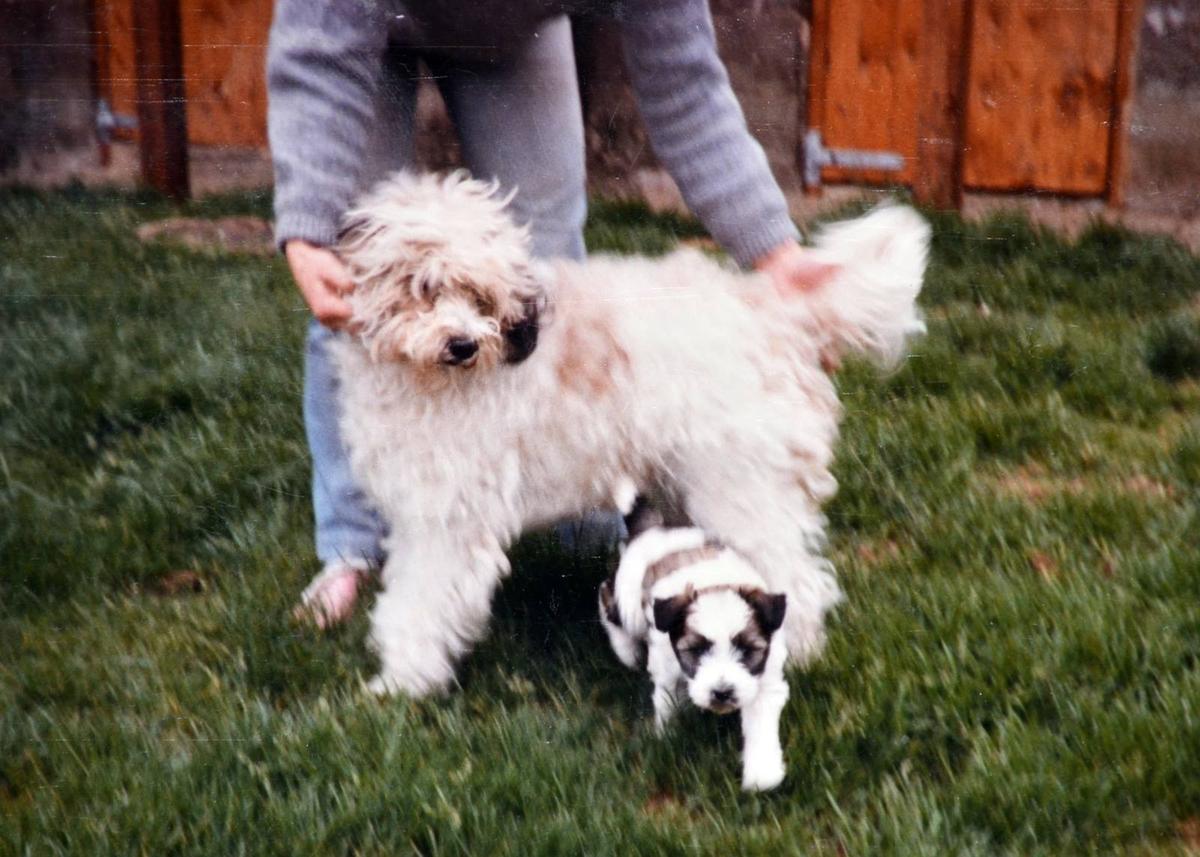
(161, 108)
(225, 44)
(941, 115)
(865, 80)
(1041, 95)
(224, 56)
(1128, 25)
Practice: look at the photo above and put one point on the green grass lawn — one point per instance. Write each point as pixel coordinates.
(1014, 671)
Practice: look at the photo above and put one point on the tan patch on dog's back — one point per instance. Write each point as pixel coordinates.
(592, 361)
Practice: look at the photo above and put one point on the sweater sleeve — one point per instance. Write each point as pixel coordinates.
(324, 62)
(697, 128)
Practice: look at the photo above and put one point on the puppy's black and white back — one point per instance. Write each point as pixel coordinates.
(700, 602)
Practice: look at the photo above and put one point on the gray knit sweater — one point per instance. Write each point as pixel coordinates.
(324, 63)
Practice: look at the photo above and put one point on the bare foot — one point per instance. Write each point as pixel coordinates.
(331, 595)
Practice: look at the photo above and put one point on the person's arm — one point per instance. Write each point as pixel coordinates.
(699, 134)
(324, 61)
(323, 67)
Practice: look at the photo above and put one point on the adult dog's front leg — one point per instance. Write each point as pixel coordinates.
(435, 605)
(762, 752)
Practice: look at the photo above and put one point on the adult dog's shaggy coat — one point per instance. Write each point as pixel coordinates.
(485, 393)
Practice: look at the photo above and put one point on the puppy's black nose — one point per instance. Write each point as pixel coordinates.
(462, 350)
(722, 695)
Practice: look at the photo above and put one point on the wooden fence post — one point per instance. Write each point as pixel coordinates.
(941, 111)
(811, 72)
(161, 101)
(1129, 22)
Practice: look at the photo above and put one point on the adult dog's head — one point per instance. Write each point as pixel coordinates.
(443, 277)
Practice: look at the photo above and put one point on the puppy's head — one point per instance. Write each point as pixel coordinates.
(443, 277)
(722, 638)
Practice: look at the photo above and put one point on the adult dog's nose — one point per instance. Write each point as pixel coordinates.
(461, 350)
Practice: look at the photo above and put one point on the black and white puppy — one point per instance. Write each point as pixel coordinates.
(702, 620)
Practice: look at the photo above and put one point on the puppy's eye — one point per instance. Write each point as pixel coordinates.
(751, 652)
(485, 305)
(697, 650)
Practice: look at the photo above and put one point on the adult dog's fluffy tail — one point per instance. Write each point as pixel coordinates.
(869, 304)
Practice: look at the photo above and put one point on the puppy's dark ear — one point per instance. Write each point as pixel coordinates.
(768, 607)
(671, 613)
(521, 337)
(608, 600)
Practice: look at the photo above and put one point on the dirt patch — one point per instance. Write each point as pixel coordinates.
(876, 553)
(1044, 564)
(228, 234)
(1188, 831)
(664, 806)
(182, 582)
(1032, 483)
(1071, 217)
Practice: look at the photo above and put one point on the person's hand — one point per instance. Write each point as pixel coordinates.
(792, 269)
(323, 281)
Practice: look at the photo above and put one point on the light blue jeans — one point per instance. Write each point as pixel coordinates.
(520, 123)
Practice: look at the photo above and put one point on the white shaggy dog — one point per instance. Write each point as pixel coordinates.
(484, 394)
(705, 621)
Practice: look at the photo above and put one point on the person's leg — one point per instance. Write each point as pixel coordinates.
(520, 122)
(347, 528)
(349, 533)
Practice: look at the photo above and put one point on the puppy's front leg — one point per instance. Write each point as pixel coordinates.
(435, 605)
(664, 670)
(762, 753)
(665, 704)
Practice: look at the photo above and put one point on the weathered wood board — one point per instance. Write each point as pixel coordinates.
(1043, 90)
(1041, 95)
(865, 57)
(224, 53)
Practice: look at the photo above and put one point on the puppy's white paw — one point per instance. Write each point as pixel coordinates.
(762, 774)
(380, 686)
(414, 686)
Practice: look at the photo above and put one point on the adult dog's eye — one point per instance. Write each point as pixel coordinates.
(485, 304)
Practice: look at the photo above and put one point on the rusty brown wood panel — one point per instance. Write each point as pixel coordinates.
(224, 50)
(1041, 95)
(1128, 25)
(224, 55)
(866, 54)
(161, 106)
(114, 46)
(945, 62)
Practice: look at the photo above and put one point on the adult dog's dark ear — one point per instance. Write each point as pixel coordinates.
(521, 337)
(671, 613)
(768, 607)
(352, 228)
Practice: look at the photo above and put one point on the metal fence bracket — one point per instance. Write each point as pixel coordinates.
(816, 157)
